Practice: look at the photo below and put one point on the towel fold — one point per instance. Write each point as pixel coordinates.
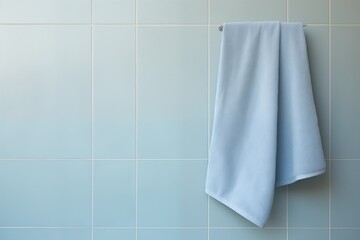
(265, 131)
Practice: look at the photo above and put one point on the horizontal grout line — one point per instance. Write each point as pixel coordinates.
(162, 25)
(280, 228)
(103, 159)
(344, 159)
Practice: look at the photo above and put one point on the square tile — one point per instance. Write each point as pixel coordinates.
(45, 91)
(348, 234)
(172, 234)
(345, 127)
(45, 234)
(114, 11)
(309, 234)
(114, 234)
(317, 39)
(308, 11)
(114, 92)
(245, 10)
(45, 11)
(171, 193)
(172, 11)
(248, 234)
(172, 89)
(345, 11)
(308, 202)
(222, 216)
(345, 195)
(41, 193)
(114, 194)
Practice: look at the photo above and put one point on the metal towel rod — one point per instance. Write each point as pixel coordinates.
(221, 27)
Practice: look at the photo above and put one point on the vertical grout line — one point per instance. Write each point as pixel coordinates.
(287, 10)
(136, 122)
(92, 120)
(287, 187)
(287, 212)
(208, 107)
(330, 111)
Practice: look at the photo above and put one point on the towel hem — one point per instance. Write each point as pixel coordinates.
(236, 209)
(300, 177)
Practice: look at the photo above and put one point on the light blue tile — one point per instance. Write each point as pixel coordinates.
(45, 96)
(308, 11)
(317, 39)
(309, 234)
(345, 11)
(309, 202)
(345, 128)
(113, 11)
(171, 193)
(345, 193)
(114, 194)
(172, 72)
(222, 216)
(172, 11)
(248, 234)
(45, 234)
(114, 92)
(114, 234)
(45, 11)
(172, 234)
(348, 234)
(45, 193)
(245, 10)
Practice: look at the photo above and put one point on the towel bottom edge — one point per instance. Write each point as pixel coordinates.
(300, 177)
(243, 213)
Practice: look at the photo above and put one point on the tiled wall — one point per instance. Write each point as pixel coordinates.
(105, 115)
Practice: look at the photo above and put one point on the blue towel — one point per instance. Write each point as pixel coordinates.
(265, 131)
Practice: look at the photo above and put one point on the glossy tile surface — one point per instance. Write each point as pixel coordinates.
(46, 234)
(171, 193)
(239, 234)
(114, 193)
(307, 11)
(348, 234)
(45, 11)
(345, 92)
(345, 11)
(45, 193)
(318, 55)
(45, 92)
(113, 11)
(172, 11)
(114, 234)
(309, 234)
(345, 195)
(308, 202)
(172, 234)
(172, 104)
(245, 10)
(114, 92)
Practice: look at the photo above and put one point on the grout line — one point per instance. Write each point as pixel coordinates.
(330, 113)
(159, 24)
(208, 105)
(287, 19)
(107, 159)
(287, 212)
(136, 119)
(92, 122)
(257, 228)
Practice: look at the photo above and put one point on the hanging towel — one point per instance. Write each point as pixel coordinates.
(265, 131)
